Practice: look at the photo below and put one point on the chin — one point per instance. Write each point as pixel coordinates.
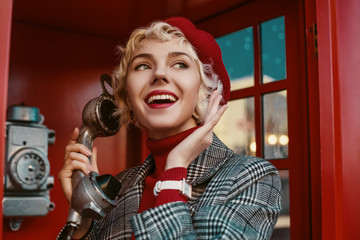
(163, 126)
(161, 129)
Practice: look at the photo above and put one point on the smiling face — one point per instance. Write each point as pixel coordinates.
(163, 84)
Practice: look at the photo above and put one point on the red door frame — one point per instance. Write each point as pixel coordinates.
(339, 48)
(5, 32)
(314, 118)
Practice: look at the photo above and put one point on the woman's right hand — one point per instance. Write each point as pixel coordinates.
(76, 158)
(186, 151)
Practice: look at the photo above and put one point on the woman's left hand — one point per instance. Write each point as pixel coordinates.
(184, 153)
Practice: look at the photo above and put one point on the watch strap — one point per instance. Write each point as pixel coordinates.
(183, 187)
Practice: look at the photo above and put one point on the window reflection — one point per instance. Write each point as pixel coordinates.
(238, 56)
(275, 131)
(236, 128)
(273, 55)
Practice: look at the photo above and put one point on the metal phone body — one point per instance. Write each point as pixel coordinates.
(27, 182)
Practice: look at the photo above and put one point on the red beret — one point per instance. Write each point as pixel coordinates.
(206, 47)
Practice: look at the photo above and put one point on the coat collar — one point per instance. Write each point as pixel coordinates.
(208, 162)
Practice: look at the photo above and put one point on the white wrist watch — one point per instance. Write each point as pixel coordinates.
(183, 186)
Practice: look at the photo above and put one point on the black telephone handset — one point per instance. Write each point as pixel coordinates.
(94, 195)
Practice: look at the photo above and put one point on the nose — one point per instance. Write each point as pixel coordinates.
(160, 75)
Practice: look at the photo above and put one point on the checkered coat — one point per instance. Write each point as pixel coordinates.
(234, 197)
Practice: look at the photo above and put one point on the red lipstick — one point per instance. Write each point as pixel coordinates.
(160, 99)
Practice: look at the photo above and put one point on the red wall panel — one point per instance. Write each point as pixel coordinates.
(58, 72)
(348, 39)
(5, 27)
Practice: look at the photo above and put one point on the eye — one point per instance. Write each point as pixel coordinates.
(142, 67)
(181, 65)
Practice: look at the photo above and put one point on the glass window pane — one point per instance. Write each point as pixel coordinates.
(273, 55)
(282, 227)
(238, 56)
(236, 128)
(275, 130)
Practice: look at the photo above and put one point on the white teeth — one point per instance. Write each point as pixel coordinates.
(161, 97)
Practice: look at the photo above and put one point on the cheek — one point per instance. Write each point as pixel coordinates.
(192, 97)
(135, 83)
(131, 96)
(132, 86)
(193, 89)
(129, 92)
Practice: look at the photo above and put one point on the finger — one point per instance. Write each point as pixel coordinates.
(78, 165)
(66, 173)
(68, 170)
(74, 136)
(212, 120)
(211, 100)
(213, 107)
(74, 156)
(215, 119)
(94, 160)
(80, 148)
(77, 147)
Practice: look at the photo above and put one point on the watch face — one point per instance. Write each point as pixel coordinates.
(187, 189)
(29, 168)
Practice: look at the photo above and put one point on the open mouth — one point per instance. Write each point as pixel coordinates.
(160, 98)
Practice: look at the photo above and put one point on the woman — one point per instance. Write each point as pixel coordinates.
(172, 83)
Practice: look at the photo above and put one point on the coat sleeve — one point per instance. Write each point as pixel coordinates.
(244, 205)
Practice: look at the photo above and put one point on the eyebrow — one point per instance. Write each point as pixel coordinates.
(175, 54)
(148, 55)
(142, 55)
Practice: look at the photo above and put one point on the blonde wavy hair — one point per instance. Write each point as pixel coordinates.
(163, 32)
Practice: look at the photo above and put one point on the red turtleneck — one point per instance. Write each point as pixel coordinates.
(160, 150)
